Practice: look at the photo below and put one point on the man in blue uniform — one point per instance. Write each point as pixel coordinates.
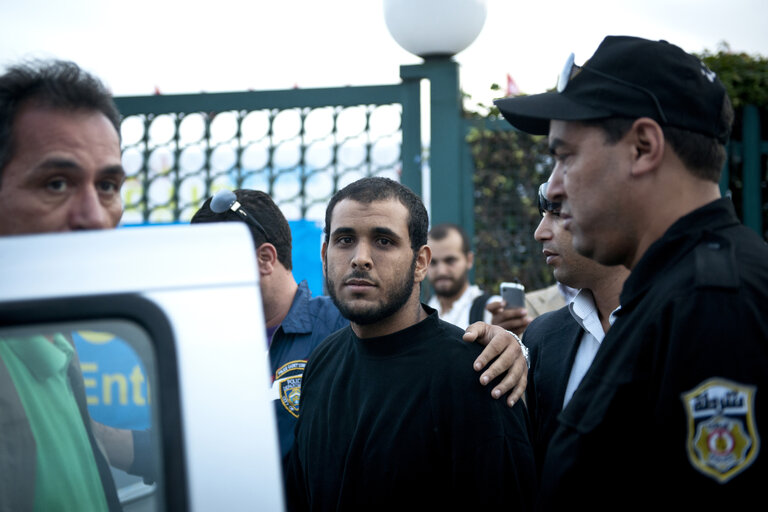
(296, 322)
(670, 411)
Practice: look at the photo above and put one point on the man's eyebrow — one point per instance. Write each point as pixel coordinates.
(379, 230)
(386, 231)
(58, 163)
(343, 231)
(61, 163)
(554, 144)
(113, 170)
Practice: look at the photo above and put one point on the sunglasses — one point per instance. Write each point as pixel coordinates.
(571, 69)
(545, 205)
(226, 200)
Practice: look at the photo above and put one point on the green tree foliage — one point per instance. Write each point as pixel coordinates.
(510, 166)
(745, 76)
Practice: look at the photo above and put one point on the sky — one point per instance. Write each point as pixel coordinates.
(179, 46)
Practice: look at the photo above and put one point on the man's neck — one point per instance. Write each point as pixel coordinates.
(277, 297)
(685, 194)
(410, 314)
(606, 293)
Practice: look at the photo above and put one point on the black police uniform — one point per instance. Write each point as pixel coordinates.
(673, 410)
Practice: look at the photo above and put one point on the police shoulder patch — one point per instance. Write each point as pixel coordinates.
(722, 437)
(288, 383)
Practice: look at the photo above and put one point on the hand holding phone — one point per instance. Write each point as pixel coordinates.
(513, 295)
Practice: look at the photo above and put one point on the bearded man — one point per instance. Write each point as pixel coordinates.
(392, 414)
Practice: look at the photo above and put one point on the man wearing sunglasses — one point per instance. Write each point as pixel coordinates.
(670, 409)
(564, 342)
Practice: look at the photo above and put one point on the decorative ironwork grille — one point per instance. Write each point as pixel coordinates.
(299, 146)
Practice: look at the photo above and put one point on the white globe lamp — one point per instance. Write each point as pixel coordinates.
(435, 28)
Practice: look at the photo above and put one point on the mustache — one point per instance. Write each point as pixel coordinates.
(359, 274)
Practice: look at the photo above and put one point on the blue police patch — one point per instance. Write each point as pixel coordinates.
(288, 382)
(722, 438)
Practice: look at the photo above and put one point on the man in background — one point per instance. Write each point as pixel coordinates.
(455, 300)
(563, 343)
(296, 322)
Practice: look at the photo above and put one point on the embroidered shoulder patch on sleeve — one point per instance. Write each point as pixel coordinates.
(288, 385)
(722, 438)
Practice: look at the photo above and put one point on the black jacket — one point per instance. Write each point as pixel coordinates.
(552, 340)
(673, 409)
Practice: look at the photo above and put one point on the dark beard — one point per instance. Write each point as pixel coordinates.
(455, 288)
(393, 301)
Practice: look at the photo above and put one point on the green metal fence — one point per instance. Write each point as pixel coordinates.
(508, 166)
(302, 145)
(298, 145)
(745, 173)
(745, 176)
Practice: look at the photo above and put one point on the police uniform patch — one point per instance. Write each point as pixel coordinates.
(722, 438)
(288, 385)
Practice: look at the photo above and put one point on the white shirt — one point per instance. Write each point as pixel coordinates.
(459, 313)
(584, 311)
(567, 292)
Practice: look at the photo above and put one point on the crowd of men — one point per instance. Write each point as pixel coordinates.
(643, 388)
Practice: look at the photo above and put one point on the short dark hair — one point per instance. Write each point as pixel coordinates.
(56, 84)
(441, 231)
(260, 206)
(702, 155)
(368, 190)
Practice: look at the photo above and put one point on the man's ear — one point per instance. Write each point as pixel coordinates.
(470, 259)
(323, 251)
(647, 139)
(266, 255)
(423, 257)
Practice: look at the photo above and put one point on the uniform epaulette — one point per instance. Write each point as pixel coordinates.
(715, 262)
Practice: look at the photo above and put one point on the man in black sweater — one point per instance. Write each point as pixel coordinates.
(392, 414)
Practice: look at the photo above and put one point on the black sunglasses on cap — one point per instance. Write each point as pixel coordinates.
(226, 201)
(571, 69)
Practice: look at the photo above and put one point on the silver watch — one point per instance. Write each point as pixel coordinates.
(523, 348)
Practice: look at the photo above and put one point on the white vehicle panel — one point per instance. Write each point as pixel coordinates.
(126, 260)
(204, 279)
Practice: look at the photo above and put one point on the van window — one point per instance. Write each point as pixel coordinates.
(79, 422)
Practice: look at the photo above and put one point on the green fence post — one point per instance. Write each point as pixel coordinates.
(410, 152)
(449, 196)
(752, 195)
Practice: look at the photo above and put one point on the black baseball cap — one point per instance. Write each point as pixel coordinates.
(629, 77)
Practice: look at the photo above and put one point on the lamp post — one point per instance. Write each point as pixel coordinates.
(436, 30)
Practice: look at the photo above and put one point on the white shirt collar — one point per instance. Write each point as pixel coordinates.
(459, 312)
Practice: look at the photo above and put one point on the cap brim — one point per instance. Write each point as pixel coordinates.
(532, 114)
